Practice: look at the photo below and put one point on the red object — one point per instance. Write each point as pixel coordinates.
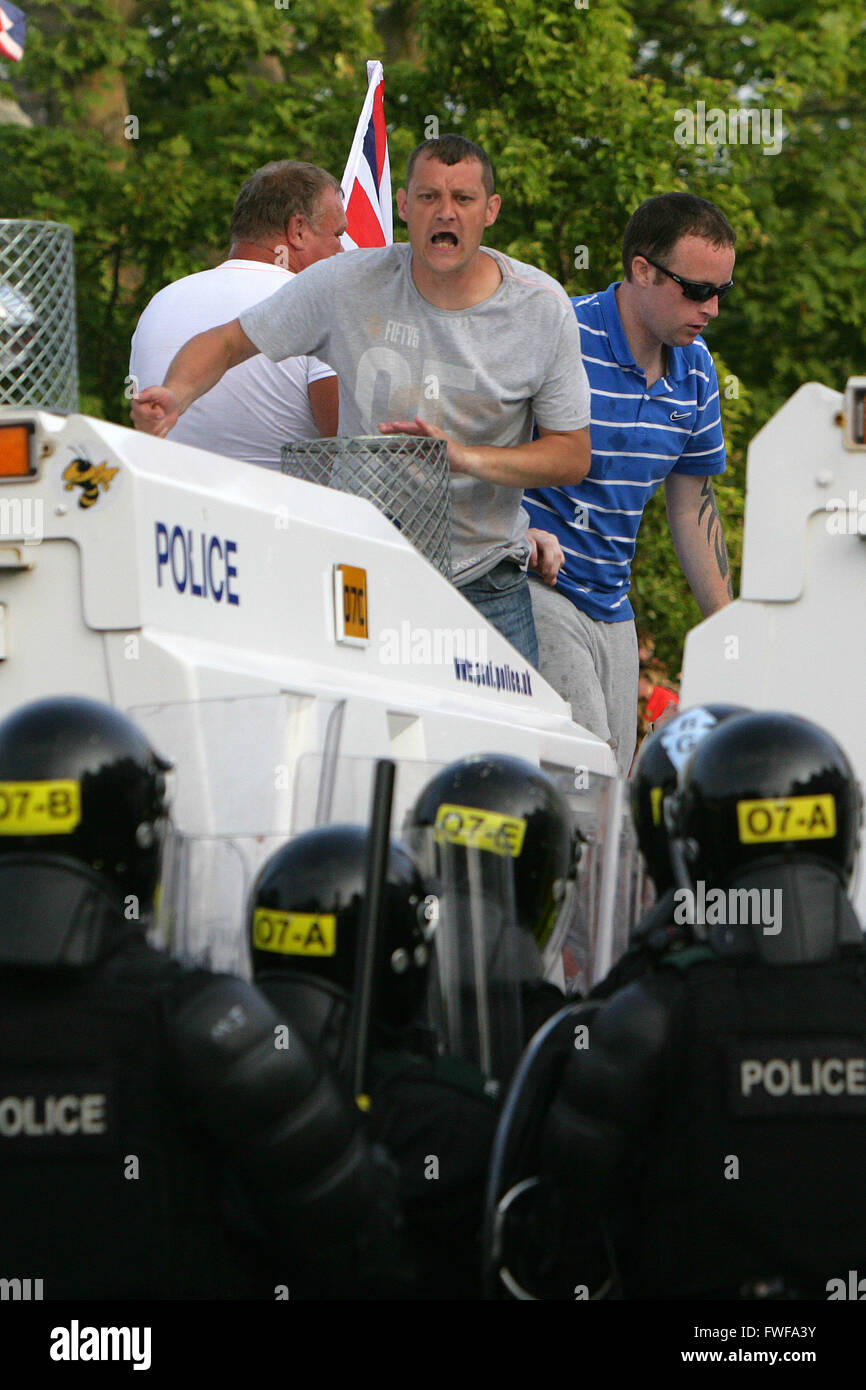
(13, 27)
(367, 177)
(659, 701)
(363, 219)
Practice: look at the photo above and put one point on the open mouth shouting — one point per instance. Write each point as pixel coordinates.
(443, 239)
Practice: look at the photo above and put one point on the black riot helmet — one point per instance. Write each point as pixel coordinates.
(303, 926)
(768, 786)
(658, 765)
(501, 804)
(83, 815)
(79, 779)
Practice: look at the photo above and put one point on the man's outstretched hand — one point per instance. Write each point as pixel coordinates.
(193, 371)
(546, 557)
(155, 410)
(458, 454)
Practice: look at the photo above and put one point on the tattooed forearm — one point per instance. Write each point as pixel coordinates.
(708, 514)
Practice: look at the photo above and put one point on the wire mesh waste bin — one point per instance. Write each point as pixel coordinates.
(406, 477)
(38, 347)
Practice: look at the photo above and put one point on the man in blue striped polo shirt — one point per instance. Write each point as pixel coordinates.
(655, 419)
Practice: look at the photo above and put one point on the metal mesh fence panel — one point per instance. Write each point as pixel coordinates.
(406, 477)
(38, 347)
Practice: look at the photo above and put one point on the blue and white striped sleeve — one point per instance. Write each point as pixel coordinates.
(704, 450)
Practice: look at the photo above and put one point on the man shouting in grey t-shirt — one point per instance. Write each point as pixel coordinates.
(476, 343)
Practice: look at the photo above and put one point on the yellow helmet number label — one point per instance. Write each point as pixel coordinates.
(39, 808)
(295, 933)
(477, 829)
(788, 818)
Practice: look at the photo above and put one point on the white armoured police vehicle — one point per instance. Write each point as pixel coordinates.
(273, 638)
(794, 639)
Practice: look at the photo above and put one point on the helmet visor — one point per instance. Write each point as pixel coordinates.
(482, 959)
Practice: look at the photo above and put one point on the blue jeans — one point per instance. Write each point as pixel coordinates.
(502, 596)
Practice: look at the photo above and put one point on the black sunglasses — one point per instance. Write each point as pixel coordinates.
(698, 290)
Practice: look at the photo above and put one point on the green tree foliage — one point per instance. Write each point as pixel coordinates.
(578, 101)
(580, 108)
(536, 85)
(210, 90)
(797, 314)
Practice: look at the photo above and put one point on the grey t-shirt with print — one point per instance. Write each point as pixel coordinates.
(481, 374)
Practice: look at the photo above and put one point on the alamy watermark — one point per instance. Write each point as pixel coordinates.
(20, 1290)
(716, 907)
(846, 518)
(426, 646)
(741, 125)
(22, 518)
(851, 1288)
(77, 1343)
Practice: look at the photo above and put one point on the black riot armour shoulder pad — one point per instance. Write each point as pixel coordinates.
(248, 1073)
(293, 1132)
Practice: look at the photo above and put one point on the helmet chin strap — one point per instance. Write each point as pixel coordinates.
(680, 865)
(676, 845)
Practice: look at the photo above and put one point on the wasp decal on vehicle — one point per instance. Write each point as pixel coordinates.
(90, 477)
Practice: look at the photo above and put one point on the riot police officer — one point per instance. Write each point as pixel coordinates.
(708, 1137)
(653, 781)
(497, 838)
(141, 1101)
(433, 1113)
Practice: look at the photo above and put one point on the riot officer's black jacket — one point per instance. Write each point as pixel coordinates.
(164, 1135)
(710, 1138)
(654, 934)
(436, 1120)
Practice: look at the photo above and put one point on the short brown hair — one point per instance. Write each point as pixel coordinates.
(453, 149)
(275, 193)
(657, 225)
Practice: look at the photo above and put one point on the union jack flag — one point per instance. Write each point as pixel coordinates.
(12, 29)
(367, 180)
